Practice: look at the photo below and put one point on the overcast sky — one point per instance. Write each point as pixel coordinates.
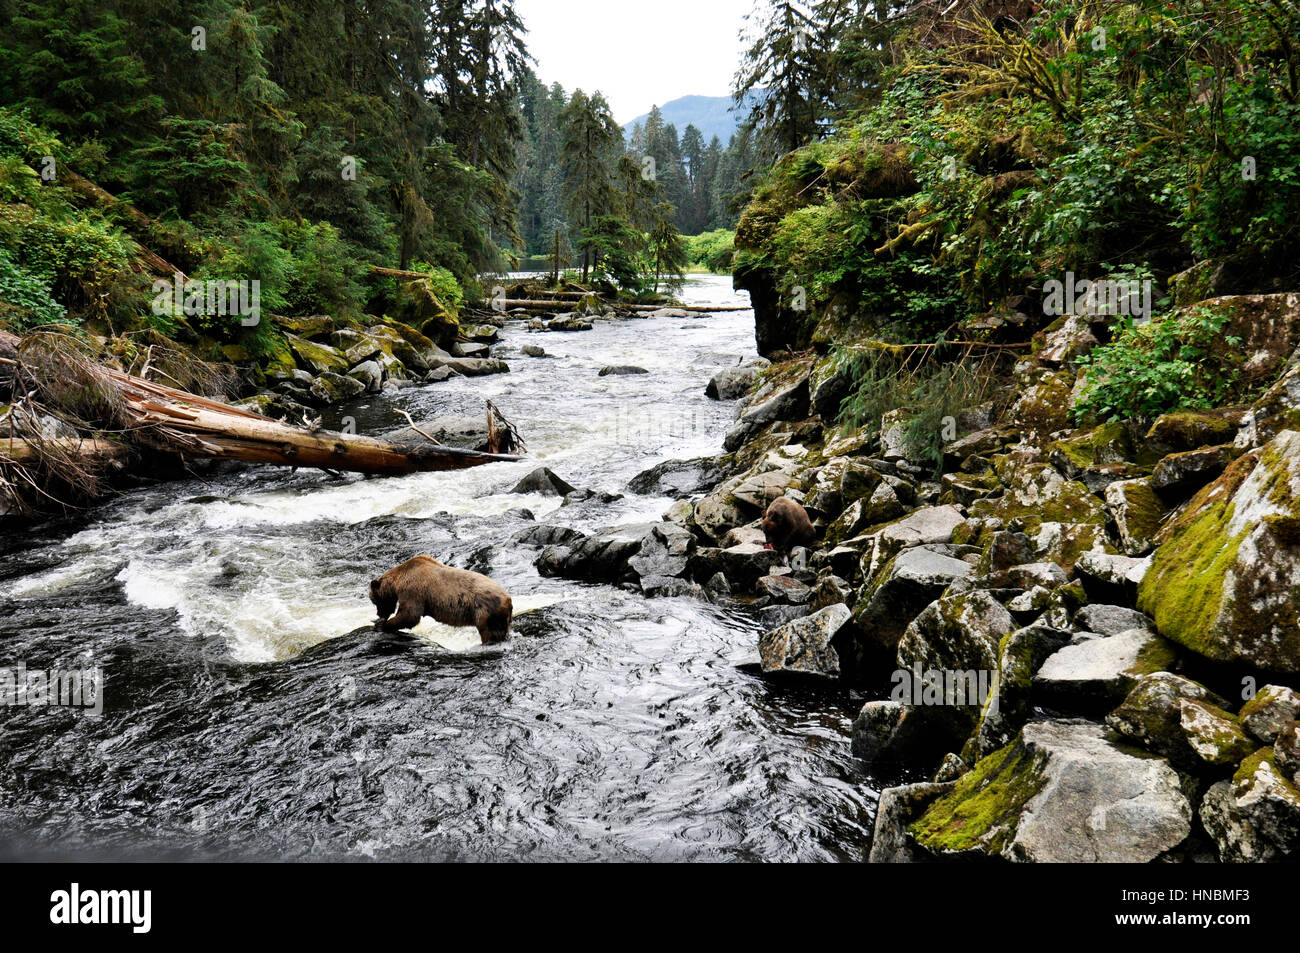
(639, 53)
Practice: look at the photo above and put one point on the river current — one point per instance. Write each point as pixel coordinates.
(250, 711)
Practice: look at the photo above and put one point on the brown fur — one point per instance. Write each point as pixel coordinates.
(786, 525)
(425, 587)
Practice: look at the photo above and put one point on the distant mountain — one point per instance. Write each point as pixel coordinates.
(712, 115)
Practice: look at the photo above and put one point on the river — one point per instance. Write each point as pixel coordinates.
(251, 712)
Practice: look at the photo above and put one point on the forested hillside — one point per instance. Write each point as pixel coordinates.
(986, 153)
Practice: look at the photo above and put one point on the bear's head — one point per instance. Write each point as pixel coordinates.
(383, 598)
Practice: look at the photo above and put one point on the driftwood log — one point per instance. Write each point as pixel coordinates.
(176, 421)
(535, 305)
(200, 427)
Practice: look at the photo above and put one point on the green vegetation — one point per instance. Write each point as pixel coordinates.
(712, 251)
(1179, 360)
(926, 390)
(978, 159)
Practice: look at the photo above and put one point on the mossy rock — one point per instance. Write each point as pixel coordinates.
(418, 307)
(1108, 443)
(276, 358)
(1044, 405)
(1225, 582)
(979, 816)
(1036, 493)
(312, 328)
(1137, 512)
(1190, 430)
(317, 358)
(1062, 792)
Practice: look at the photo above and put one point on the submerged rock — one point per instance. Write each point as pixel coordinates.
(544, 481)
(470, 433)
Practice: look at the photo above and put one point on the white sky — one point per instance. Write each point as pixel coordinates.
(639, 53)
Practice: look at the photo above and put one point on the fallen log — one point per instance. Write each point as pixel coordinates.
(142, 222)
(198, 427)
(18, 450)
(534, 305)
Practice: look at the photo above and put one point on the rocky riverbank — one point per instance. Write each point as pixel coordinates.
(1090, 639)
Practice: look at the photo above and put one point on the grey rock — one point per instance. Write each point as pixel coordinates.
(745, 564)
(1269, 711)
(789, 403)
(785, 589)
(1255, 817)
(1073, 796)
(369, 374)
(621, 370)
(544, 481)
(1111, 620)
(665, 552)
(804, 645)
(676, 478)
(1097, 673)
(915, 578)
(735, 382)
(897, 808)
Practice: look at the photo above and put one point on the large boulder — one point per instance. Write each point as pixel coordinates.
(1255, 817)
(603, 557)
(804, 645)
(418, 307)
(1226, 580)
(676, 478)
(665, 554)
(1183, 721)
(1093, 674)
(332, 388)
(790, 402)
(915, 578)
(1063, 792)
(732, 383)
(317, 358)
(956, 633)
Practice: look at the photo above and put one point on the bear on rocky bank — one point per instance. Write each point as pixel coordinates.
(425, 587)
(786, 525)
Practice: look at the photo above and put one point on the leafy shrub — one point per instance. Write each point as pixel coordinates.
(444, 286)
(712, 250)
(25, 300)
(1178, 361)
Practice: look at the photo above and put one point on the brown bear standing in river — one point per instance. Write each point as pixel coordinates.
(786, 525)
(425, 587)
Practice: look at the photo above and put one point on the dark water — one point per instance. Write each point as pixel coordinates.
(248, 712)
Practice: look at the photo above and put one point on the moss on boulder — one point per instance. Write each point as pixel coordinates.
(1225, 582)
